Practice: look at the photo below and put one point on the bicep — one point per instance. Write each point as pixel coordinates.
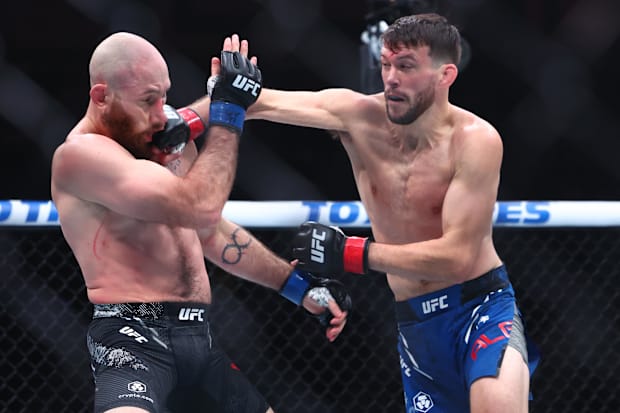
(470, 198)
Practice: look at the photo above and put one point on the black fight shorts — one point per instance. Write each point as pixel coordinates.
(161, 357)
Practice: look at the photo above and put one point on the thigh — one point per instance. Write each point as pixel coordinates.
(208, 380)
(430, 367)
(129, 368)
(508, 392)
(496, 366)
(225, 383)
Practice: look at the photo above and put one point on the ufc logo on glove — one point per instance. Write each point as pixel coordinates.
(245, 84)
(317, 249)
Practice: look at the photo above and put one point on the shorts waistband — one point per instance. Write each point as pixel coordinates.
(437, 302)
(182, 311)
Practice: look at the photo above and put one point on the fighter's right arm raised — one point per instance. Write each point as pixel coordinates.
(97, 169)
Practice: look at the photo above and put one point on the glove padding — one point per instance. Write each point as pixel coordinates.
(300, 283)
(323, 249)
(181, 127)
(237, 86)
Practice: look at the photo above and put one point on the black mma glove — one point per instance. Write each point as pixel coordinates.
(322, 249)
(183, 125)
(236, 88)
(300, 283)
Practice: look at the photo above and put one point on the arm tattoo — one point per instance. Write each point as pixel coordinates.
(232, 252)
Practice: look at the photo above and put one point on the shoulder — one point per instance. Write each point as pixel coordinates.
(476, 140)
(82, 152)
(78, 144)
(472, 129)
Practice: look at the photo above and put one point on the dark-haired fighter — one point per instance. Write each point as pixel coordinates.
(427, 173)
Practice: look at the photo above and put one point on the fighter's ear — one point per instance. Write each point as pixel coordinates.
(98, 93)
(448, 73)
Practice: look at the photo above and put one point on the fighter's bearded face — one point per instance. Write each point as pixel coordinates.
(122, 128)
(409, 87)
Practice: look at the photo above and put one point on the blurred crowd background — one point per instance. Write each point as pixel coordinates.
(542, 71)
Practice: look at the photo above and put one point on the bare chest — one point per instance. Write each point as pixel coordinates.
(404, 191)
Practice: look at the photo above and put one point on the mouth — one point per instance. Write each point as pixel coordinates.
(394, 98)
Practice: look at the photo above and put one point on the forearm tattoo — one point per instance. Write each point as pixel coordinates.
(232, 252)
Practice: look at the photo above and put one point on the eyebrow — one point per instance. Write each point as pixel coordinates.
(153, 91)
(408, 56)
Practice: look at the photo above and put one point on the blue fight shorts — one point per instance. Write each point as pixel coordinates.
(452, 337)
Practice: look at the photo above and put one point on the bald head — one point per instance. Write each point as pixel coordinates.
(118, 58)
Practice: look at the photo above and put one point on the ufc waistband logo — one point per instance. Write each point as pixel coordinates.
(432, 305)
(317, 249)
(245, 84)
(191, 314)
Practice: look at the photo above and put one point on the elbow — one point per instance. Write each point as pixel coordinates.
(461, 264)
(205, 213)
(209, 217)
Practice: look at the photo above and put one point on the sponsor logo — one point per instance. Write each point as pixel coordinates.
(422, 402)
(317, 250)
(337, 213)
(245, 84)
(137, 387)
(515, 213)
(434, 304)
(191, 314)
(404, 367)
(484, 341)
(130, 332)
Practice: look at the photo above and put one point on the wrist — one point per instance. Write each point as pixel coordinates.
(227, 114)
(194, 121)
(355, 255)
(295, 287)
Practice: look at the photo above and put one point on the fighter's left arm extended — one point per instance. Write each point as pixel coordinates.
(240, 253)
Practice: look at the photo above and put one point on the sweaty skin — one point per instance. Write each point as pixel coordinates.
(427, 172)
(429, 187)
(140, 221)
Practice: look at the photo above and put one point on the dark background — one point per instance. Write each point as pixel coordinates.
(543, 72)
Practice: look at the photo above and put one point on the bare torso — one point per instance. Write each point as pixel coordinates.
(403, 184)
(128, 260)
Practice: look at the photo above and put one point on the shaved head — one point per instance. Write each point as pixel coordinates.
(118, 58)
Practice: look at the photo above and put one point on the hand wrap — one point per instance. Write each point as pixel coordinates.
(300, 283)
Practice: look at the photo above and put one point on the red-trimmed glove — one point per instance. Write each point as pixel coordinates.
(183, 125)
(322, 249)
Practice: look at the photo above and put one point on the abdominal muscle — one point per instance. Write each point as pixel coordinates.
(402, 221)
(135, 261)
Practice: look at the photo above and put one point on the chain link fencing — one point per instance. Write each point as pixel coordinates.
(566, 281)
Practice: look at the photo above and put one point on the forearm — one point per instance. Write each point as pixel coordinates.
(434, 260)
(209, 181)
(240, 253)
(201, 107)
(309, 109)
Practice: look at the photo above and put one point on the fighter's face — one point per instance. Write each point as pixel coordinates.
(409, 83)
(131, 132)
